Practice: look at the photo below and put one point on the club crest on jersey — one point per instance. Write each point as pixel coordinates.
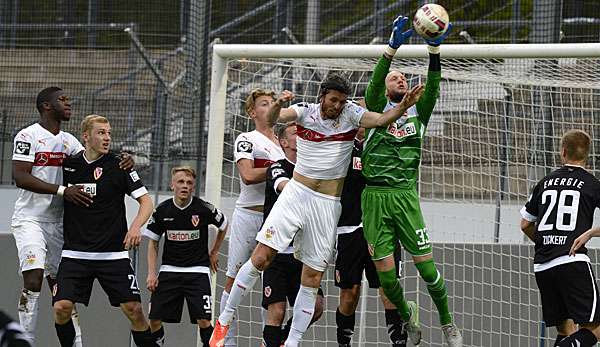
(371, 249)
(267, 291)
(405, 130)
(337, 276)
(54, 289)
(97, 173)
(269, 233)
(195, 220)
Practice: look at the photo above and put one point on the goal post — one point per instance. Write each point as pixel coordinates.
(493, 134)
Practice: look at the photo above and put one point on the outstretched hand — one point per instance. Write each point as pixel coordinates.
(440, 39)
(398, 37)
(413, 95)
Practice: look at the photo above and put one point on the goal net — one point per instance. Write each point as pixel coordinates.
(493, 134)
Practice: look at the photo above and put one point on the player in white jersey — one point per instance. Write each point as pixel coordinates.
(39, 151)
(254, 152)
(308, 210)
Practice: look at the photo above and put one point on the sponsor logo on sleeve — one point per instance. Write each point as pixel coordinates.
(269, 233)
(22, 148)
(134, 176)
(244, 146)
(219, 216)
(277, 172)
(151, 220)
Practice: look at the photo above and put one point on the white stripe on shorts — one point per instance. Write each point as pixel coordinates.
(593, 314)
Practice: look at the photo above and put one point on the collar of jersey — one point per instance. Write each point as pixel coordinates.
(184, 207)
(93, 161)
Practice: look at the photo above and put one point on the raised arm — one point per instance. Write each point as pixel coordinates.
(277, 113)
(377, 120)
(375, 97)
(427, 102)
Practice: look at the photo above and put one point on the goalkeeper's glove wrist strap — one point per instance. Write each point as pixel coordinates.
(390, 52)
(433, 49)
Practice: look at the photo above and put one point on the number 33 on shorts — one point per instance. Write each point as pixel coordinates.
(423, 238)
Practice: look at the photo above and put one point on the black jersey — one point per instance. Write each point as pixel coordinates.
(101, 227)
(353, 187)
(562, 205)
(186, 231)
(281, 170)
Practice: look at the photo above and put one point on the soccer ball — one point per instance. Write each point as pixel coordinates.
(431, 21)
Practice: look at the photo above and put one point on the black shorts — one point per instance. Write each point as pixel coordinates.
(281, 280)
(166, 303)
(569, 291)
(353, 258)
(75, 280)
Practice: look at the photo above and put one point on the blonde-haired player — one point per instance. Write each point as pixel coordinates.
(254, 151)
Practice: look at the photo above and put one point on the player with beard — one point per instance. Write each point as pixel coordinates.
(281, 280)
(308, 209)
(390, 201)
(37, 226)
(96, 236)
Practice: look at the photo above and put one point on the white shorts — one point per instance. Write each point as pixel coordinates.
(244, 226)
(39, 245)
(307, 217)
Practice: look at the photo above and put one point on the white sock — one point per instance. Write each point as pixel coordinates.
(244, 281)
(304, 308)
(230, 338)
(28, 311)
(75, 318)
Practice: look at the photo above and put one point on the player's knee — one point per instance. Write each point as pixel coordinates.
(155, 324)
(133, 310)
(62, 310)
(262, 256)
(276, 313)
(33, 279)
(203, 323)
(349, 300)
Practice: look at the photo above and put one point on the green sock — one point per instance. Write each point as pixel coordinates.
(436, 289)
(394, 292)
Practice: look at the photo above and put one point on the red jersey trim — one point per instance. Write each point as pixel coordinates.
(49, 159)
(259, 162)
(315, 136)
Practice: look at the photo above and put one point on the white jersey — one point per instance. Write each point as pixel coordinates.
(46, 151)
(325, 145)
(255, 146)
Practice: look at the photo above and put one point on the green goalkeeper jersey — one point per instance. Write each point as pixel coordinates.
(392, 155)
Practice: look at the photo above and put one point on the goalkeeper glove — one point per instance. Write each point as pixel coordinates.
(397, 37)
(438, 41)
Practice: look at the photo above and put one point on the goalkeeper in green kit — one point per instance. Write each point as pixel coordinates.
(390, 201)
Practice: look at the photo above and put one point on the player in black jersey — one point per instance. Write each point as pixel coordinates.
(558, 217)
(11, 333)
(184, 220)
(353, 258)
(281, 280)
(96, 236)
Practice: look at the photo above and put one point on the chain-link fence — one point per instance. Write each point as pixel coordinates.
(152, 81)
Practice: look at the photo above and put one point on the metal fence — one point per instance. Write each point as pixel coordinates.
(152, 81)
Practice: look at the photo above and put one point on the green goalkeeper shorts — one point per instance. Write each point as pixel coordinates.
(392, 214)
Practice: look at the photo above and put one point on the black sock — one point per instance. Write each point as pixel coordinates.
(286, 330)
(584, 337)
(272, 336)
(345, 327)
(65, 333)
(159, 336)
(395, 326)
(143, 338)
(205, 335)
(558, 339)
